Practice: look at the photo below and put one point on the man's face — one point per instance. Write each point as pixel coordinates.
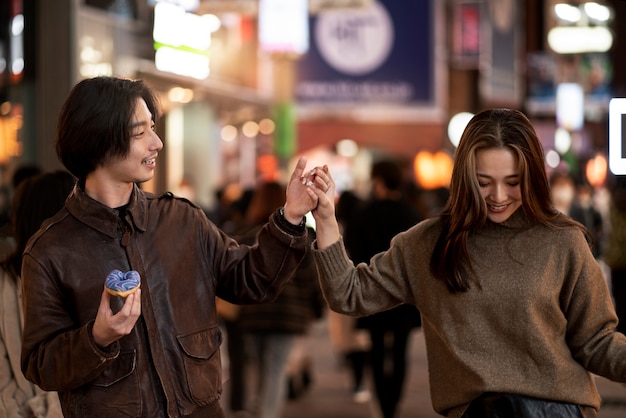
(138, 166)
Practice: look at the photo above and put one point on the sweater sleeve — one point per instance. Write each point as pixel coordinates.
(366, 288)
(591, 316)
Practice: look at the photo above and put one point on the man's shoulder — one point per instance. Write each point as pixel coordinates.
(50, 230)
(169, 198)
(175, 209)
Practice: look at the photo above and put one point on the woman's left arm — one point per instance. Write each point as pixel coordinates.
(591, 317)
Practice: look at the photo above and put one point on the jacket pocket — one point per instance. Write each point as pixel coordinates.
(202, 363)
(115, 393)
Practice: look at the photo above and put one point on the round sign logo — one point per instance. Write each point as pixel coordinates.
(355, 42)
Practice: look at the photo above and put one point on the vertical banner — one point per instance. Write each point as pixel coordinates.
(499, 76)
(466, 33)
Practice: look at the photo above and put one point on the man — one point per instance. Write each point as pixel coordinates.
(156, 353)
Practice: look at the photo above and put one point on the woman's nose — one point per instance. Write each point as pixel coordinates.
(498, 193)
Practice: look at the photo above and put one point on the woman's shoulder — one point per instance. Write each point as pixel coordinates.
(424, 234)
(565, 236)
(427, 227)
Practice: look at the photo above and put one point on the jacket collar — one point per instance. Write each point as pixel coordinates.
(102, 218)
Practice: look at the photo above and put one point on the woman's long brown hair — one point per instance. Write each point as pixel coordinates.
(466, 209)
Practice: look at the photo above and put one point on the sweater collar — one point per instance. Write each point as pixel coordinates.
(102, 218)
(517, 221)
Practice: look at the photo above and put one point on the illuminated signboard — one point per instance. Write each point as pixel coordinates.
(570, 106)
(182, 40)
(284, 26)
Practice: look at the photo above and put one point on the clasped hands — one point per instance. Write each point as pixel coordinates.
(312, 191)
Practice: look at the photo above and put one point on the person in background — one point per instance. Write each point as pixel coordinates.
(7, 241)
(235, 374)
(615, 254)
(563, 191)
(516, 313)
(352, 343)
(35, 199)
(155, 353)
(233, 204)
(391, 329)
(575, 200)
(270, 330)
(584, 211)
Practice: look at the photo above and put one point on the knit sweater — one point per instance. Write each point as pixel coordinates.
(540, 322)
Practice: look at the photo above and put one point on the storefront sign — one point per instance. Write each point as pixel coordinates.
(379, 55)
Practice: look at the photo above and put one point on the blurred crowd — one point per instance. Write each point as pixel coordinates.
(268, 357)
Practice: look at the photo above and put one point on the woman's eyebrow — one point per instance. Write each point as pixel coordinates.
(510, 176)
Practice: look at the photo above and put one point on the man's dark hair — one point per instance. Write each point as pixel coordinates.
(94, 123)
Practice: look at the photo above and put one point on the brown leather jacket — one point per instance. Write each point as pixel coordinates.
(170, 364)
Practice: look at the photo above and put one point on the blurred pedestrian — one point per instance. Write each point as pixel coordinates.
(270, 330)
(353, 345)
(35, 199)
(575, 200)
(615, 256)
(21, 173)
(386, 214)
(584, 211)
(351, 342)
(563, 191)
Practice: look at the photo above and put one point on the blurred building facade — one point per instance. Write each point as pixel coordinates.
(387, 75)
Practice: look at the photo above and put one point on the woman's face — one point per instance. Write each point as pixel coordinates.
(499, 180)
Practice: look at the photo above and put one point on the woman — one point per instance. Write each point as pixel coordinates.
(36, 199)
(515, 311)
